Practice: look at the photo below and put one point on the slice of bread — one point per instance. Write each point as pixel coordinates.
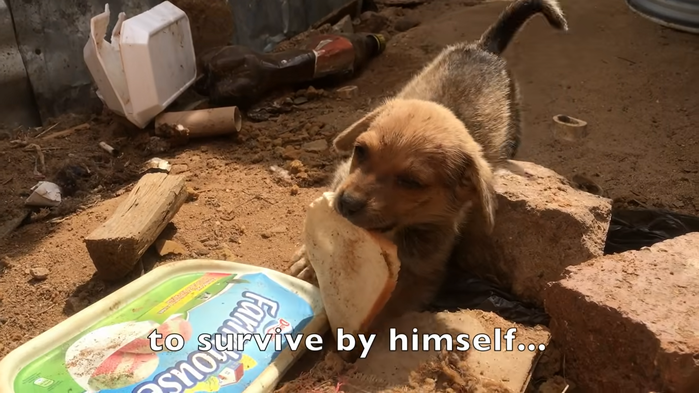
(356, 270)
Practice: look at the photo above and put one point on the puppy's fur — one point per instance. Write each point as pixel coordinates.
(421, 161)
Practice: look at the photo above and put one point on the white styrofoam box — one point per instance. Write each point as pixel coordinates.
(149, 62)
(158, 57)
(103, 60)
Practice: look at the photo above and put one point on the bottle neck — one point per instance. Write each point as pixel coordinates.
(375, 44)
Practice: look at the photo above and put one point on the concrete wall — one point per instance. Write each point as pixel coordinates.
(51, 36)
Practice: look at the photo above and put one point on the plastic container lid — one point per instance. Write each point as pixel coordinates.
(106, 347)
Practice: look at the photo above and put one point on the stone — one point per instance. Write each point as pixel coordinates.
(628, 322)
(291, 153)
(274, 231)
(296, 166)
(76, 304)
(347, 92)
(542, 225)
(372, 22)
(39, 273)
(317, 145)
(405, 24)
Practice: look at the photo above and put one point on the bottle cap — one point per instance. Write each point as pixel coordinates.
(381, 40)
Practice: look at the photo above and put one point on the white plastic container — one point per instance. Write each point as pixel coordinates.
(106, 346)
(148, 64)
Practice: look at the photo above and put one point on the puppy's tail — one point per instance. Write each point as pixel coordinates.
(499, 35)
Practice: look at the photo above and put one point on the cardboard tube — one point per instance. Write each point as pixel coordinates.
(569, 129)
(199, 123)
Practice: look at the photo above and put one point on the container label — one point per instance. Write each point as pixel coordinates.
(334, 55)
(199, 320)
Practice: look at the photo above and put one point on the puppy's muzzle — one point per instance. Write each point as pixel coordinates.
(349, 205)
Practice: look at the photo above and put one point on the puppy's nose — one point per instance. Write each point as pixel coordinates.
(349, 204)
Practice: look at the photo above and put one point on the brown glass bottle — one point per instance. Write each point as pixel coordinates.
(237, 75)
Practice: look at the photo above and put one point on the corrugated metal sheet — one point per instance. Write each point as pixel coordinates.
(16, 101)
(676, 14)
(51, 36)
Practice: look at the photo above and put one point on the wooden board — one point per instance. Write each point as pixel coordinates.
(116, 246)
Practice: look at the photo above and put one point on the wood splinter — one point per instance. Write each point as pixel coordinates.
(117, 245)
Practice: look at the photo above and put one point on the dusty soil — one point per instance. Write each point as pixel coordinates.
(634, 82)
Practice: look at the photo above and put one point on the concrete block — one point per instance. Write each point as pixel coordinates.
(543, 225)
(629, 322)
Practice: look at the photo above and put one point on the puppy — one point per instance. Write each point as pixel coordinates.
(421, 163)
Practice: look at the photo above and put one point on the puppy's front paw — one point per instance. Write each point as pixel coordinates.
(301, 268)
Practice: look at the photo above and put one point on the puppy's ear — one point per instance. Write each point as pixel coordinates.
(478, 177)
(344, 141)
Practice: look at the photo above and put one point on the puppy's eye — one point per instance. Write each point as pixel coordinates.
(409, 182)
(360, 152)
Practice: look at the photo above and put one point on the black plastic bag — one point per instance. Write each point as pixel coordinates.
(629, 230)
(469, 292)
(635, 229)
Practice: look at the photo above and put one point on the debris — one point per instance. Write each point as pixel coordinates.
(157, 145)
(237, 75)
(109, 149)
(119, 243)
(373, 22)
(192, 194)
(401, 3)
(67, 132)
(165, 247)
(344, 26)
(44, 194)
(39, 154)
(405, 24)
(349, 8)
(128, 69)
(557, 384)
(42, 133)
(156, 164)
(568, 128)
(281, 174)
(76, 304)
(300, 100)
(296, 166)
(317, 145)
(294, 190)
(39, 273)
(181, 126)
(274, 231)
(290, 153)
(312, 93)
(347, 92)
(10, 225)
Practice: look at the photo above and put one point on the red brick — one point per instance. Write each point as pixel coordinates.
(630, 322)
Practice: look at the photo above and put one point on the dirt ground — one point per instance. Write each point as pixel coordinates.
(634, 82)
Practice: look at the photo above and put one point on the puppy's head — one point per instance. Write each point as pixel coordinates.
(413, 162)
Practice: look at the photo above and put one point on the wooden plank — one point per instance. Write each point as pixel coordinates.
(116, 246)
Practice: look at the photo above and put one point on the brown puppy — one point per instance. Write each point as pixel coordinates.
(422, 161)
